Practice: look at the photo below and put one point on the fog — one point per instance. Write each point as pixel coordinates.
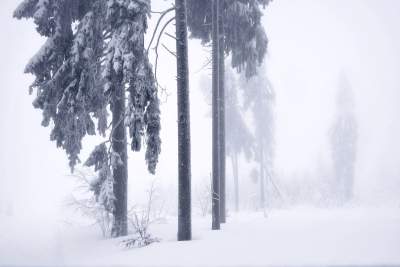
(311, 44)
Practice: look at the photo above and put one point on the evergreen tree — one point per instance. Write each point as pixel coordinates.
(239, 139)
(82, 72)
(127, 67)
(61, 93)
(242, 35)
(259, 98)
(344, 141)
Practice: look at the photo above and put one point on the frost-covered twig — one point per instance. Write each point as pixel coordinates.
(88, 205)
(141, 219)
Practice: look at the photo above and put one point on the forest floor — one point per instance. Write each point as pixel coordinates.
(299, 236)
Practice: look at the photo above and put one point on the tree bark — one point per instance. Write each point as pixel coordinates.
(120, 172)
(221, 115)
(215, 122)
(184, 165)
(235, 171)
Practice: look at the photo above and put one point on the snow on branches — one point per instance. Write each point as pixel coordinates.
(244, 35)
(104, 162)
(91, 45)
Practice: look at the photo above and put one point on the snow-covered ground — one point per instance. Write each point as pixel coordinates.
(299, 236)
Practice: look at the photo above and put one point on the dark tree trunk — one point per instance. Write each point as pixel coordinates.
(262, 190)
(184, 190)
(120, 172)
(235, 171)
(221, 116)
(215, 122)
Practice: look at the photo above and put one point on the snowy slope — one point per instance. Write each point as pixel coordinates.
(301, 236)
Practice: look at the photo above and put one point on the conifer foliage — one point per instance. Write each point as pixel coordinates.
(244, 36)
(59, 87)
(94, 59)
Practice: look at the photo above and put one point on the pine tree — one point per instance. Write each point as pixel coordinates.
(184, 198)
(344, 141)
(84, 71)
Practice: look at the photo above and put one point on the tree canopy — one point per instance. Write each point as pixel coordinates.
(245, 38)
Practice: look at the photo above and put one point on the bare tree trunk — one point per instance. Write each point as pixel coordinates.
(235, 171)
(120, 172)
(184, 165)
(215, 122)
(221, 116)
(262, 190)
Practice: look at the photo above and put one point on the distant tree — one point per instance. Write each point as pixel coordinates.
(259, 98)
(344, 141)
(239, 138)
(240, 33)
(82, 71)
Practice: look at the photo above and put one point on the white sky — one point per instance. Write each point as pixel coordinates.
(311, 42)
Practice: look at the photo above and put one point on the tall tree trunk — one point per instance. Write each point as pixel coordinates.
(184, 168)
(215, 122)
(120, 172)
(221, 116)
(235, 171)
(262, 190)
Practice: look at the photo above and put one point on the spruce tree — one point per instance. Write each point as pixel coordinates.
(84, 70)
(60, 90)
(242, 36)
(344, 141)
